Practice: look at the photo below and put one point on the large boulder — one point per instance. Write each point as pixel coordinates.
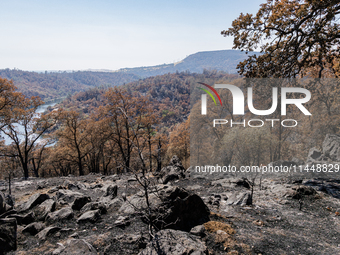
(68, 196)
(43, 234)
(79, 202)
(89, 216)
(173, 171)
(60, 215)
(94, 206)
(171, 206)
(169, 241)
(34, 200)
(44, 208)
(8, 235)
(34, 228)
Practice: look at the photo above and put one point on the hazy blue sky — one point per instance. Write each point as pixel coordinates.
(112, 34)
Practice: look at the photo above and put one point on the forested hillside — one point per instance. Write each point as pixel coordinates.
(169, 94)
(52, 85)
(221, 60)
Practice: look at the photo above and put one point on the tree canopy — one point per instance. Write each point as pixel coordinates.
(293, 36)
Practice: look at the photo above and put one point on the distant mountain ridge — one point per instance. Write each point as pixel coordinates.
(52, 85)
(220, 60)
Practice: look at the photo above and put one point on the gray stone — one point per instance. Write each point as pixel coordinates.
(44, 208)
(122, 222)
(90, 216)
(173, 171)
(23, 219)
(60, 215)
(331, 147)
(34, 200)
(43, 234)
(174, 242)
(198, 231)
(8, 235)
(171, 206)
(34, 228)
(68, 196)
(111, 191)
(241, 199)
(78, 247)
(314, 155)
(94, 206)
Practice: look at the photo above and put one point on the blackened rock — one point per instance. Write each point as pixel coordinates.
(44, 208)
(60, 215)
(173, 207)
(94, 206)
(68, 196)
(34, 228)
(111, 191)
(79, 202)
(34, 200)
(301, 191)
(173, 171)
(23, 219)
(241, 199)
(122, 222)
(90, 216)
(169, 241)
(8, 235)
(43, 234)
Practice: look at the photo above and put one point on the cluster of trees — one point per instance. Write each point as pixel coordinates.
(297, 39)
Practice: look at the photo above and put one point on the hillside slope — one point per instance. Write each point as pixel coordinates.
(221, 60)
(60, 84)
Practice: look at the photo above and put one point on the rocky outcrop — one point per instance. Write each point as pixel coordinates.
(44, 208)
(173, 171)
(79, 202)
(34, 228)
(169, 241)
(68, 196)
(33, 201)
(60, 215)
(171, 206)
(90, 216)
(43, 234)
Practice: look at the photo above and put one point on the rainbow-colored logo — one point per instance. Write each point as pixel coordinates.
(209, 93)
